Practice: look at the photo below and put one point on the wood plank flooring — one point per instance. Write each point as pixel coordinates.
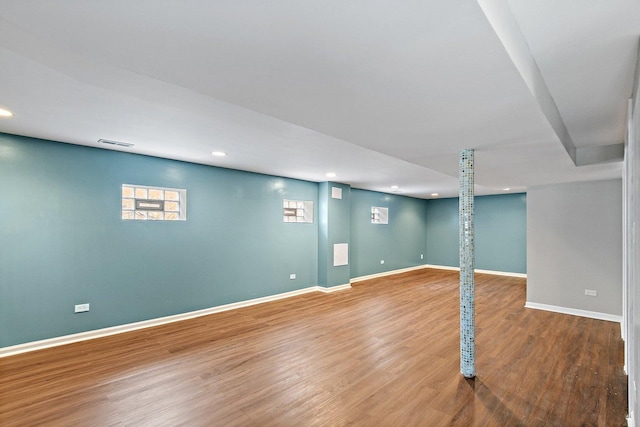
(384, 353)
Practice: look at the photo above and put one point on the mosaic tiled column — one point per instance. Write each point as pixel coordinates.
(467, 265)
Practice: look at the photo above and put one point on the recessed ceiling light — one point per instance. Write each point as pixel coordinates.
(435, 194)
(506, 189)
(394, 187)
(218, 153)
(5, 113)
(331, 175)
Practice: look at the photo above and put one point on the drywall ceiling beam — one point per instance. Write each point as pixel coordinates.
(586, 156)
(508, 31)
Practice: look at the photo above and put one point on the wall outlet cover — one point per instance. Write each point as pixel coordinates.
(81, 308)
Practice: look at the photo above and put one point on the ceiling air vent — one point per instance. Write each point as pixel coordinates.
(118, 143)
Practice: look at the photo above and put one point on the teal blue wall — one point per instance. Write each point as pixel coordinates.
(334, 227)
(500, 232)
(398, 243)
(442, 232)
(62, 241)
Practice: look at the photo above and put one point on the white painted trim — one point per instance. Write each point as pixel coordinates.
(387, 273)
(574, 312)
(442, 267)
(494, 272)
(630, 421)
(439, 267)
(334, 288)
(502, 273)
(98, 333)
(104, 332)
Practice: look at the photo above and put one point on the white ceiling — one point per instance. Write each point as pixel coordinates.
(380, 92)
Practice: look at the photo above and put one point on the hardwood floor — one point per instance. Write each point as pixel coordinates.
(384, 353)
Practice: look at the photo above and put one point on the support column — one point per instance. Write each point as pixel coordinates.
(467, 266)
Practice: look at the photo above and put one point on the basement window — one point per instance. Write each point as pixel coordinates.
(297, 211)
(379, 215)
(146, 203)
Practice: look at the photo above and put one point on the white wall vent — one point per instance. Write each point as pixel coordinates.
(118, 143)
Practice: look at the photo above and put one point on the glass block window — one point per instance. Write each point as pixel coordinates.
(297, 211)
(379, 215)
(153, 203)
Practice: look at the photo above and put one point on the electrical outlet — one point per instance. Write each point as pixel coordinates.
(81, 308)
(292, 276)
(381, 261)
(591, 292)
(421, 256)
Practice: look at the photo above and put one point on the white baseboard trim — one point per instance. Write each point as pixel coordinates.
(104, 332)
(502, 273)
(387, 273)
(439, 267)
(334, 288)
(442, 267)
(477, 270)
(574, 312)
